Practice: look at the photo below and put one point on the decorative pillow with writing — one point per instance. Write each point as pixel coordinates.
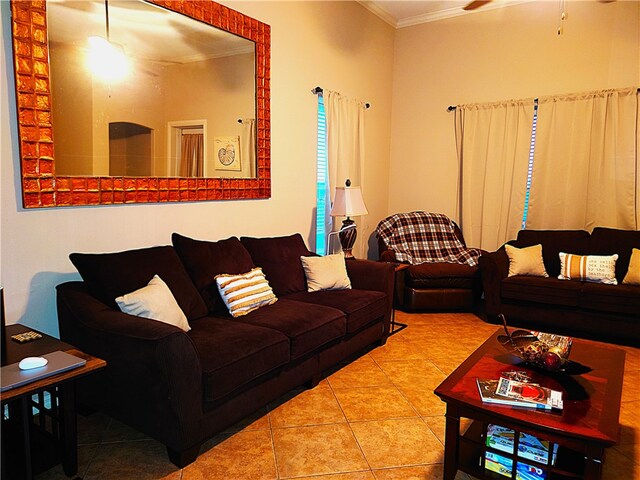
(526, 261)
(633, 274)
(246, 292)
(155, 301)
(326, 273)
(589, 268)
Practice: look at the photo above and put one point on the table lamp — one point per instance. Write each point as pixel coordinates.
(348, 202)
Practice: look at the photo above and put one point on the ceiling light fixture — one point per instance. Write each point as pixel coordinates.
(107, 59)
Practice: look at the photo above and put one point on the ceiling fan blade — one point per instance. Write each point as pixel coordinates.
(475, 4)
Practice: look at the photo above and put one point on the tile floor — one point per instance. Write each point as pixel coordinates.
(375, 418)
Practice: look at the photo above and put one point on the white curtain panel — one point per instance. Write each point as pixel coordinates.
(345, 152)
(248, 146)
(586, 165)
(493, 152)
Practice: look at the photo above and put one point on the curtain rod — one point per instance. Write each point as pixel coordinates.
(319, 90)
(453, 107)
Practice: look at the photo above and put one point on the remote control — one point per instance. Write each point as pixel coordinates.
(26, 337)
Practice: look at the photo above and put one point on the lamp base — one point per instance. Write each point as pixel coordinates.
(347, 235)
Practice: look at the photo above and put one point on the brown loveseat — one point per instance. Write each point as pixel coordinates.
(573, 307)
(184, 387)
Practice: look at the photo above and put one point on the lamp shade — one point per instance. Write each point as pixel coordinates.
(348, 203)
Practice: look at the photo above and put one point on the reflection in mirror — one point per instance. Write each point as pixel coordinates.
(181, 102)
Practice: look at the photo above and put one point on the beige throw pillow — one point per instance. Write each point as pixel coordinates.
(155, 301)
(246, 292)
(326, 273)
(526, 261)
(633, 274)
(589, 268)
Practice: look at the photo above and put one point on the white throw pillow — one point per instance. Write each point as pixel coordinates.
(326, 273)
(246, 292)
(155, 301)
(589, 268)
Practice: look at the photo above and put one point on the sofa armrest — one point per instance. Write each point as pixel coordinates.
(494, 267)
(150, 364)
(388, 256)
(376, 276)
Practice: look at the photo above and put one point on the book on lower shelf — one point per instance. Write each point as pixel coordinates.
(487, 389)
(530, 447)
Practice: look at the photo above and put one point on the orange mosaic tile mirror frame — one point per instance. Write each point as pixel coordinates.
(41, 187)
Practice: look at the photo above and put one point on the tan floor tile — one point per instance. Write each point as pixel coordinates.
(371, 403)
(631, 451)
(91, 428)
(368, 475)
(437, 426)
(618, 467)
(247, 454)
(119, 432)
(256, 421)
(398, 350)
(423, 400)
(315, 406)
(364, 372)
(423, 472)
(629, 423)
(412, 373)
(85, 454)
(142, 460)
(397, 443)
(630, 382)
(317, 450)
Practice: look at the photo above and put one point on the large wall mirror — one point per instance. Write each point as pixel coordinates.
(130, 101)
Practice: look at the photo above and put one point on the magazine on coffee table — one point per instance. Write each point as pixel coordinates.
(529, 392)
(487, 389)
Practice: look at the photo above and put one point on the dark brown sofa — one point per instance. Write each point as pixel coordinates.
(182, 388)
(573, 307)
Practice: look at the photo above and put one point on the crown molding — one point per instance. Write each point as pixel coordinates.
(435, 16)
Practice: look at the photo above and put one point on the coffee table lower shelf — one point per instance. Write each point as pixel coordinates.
(472, 448)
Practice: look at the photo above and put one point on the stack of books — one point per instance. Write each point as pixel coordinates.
(505, 391)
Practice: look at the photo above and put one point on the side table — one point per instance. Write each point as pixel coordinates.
(42, 411)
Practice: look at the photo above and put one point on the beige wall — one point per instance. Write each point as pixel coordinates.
(512, 52)
(337, 45)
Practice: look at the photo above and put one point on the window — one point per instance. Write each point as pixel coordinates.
(322, 190)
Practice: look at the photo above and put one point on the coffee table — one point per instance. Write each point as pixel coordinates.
(582, 430)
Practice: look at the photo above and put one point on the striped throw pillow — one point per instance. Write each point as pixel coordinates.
(589, 268)
(246, 292)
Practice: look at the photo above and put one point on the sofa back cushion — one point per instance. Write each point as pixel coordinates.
(609, 241)
(279, 258)
(553, 242)
(111, 275)
(204, 260)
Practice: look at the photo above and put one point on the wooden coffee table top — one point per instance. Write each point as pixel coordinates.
(591, 400)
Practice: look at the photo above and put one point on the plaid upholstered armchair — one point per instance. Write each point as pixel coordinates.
(435, 269)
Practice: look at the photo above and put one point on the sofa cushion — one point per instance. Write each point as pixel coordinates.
(279, 258)
(308, 326)
(553, 242)
(111, 275)
(549, 291)
(204, 260)
(623, 299)
(588, 268)
(233, 354)
(361, 306)
(609, 241)
(440, 275)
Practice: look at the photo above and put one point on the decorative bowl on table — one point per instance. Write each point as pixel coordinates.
(543, 350)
